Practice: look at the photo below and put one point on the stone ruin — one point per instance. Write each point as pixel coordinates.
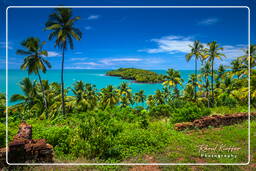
(214, 121)
(23, 149)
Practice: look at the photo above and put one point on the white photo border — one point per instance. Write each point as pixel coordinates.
(127, 164)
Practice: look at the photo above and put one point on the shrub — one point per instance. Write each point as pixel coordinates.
(226, 100)
(189, 113)
(160, 110)
(132, 142)
(2, 135)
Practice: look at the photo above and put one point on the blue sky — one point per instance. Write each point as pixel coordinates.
(142, 38)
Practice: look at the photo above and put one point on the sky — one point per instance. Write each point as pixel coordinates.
(120, 37)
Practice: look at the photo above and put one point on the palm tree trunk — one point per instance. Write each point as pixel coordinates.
(43, 91)
(207, 91)
(62, 83)
(195, 75)
(212, 84)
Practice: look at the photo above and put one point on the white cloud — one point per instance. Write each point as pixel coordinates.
(88, 28)
(208, 21)
(231, 52)
(78, 53)
(53, 54)
(3, 45)
(170, 44)
(78, 59)
(93, 17)
(110, 61)
(88, 63)
(178, 44)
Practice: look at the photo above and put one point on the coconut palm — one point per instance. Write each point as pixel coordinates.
(30, 94)
(61, 24)
(91, 95)
(34, 61)
(109, 96)
(220, 74)
(140, 96)
(193, 82)
(159, 97)
(213, 52)
(150, 101)
(124, 89)
(196, 51)
(206, 71)
(251, 54)
(173, 79)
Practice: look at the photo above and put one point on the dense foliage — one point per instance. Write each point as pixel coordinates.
(138, 75)
(115, 123)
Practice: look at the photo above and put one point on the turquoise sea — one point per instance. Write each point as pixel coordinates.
(93, 76)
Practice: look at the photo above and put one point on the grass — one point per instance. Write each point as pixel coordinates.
(159, 142)
(183, 149)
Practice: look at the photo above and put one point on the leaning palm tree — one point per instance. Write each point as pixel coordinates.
(61, 23)
(213, 53)
(196, 51)
(29, 97)
(34, 62)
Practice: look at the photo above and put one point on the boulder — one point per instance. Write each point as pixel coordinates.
(24, 149)
(214, 121)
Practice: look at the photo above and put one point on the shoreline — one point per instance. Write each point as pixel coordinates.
(134, 81)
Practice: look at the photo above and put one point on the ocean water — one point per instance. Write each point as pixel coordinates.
(93, 76)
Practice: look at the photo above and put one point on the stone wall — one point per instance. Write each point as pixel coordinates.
(214, 121)
(23, 149)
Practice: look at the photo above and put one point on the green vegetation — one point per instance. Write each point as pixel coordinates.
(109, 125)
(138, 75)
(61, 24)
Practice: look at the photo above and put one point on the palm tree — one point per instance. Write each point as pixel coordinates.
(251, 55)
(206, 71)
(213, 53)
(173, 79)
(35, 61)
(220, 73)
(150, 101)
(196, 50)
(29, 91)
(140, 97)
(61, 23)
(124, 89)
(159, 97)
(109, 96)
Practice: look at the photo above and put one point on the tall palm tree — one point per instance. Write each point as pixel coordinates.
(34, 62)
(196, 51)
(213, 53)
(193, 82)
(61, 23)
(140, 97)
(173, 79)
(206, 71)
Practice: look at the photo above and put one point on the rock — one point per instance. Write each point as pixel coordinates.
(214, 121)
(23, 149)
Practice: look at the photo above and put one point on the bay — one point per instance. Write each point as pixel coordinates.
(93, 76)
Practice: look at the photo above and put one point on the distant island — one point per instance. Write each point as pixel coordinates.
(138, 75)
